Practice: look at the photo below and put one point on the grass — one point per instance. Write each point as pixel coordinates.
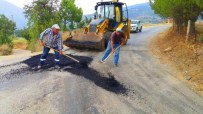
(200, 38)
(20, 43)
(17, 43)
(199, 27)
(145, 25)
(5, 49)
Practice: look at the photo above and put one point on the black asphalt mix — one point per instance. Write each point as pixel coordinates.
(67, 65)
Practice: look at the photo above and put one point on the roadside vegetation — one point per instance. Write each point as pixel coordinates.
(40, 15)
(43, 14)
(186, 58)
(184, 14)
(7, 28)
(181, 45)
(20, 43)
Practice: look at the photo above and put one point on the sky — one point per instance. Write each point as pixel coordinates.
(87, 9)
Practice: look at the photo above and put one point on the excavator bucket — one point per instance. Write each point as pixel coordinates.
(90, 40)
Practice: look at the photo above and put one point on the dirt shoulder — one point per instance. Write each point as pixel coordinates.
(186, 58)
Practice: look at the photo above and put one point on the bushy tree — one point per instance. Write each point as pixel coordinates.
(23, 33)
(7, 28)
(84, 22)
(70, 14)
(200, 4)
(41, 14)
(180, 10)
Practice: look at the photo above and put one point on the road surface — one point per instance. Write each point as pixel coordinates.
(141, 84)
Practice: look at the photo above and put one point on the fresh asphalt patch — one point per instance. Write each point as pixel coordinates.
(108, 83)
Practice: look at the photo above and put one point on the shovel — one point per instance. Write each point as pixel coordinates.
(111, 53)
(84, 64)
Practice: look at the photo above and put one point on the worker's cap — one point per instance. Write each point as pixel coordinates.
(119, 30)
(56, 26)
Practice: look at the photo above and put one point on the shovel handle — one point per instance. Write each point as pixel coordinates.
(63, 54)
(111, 53)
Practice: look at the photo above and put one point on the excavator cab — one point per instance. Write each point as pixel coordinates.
(107, 10)
(107, 18)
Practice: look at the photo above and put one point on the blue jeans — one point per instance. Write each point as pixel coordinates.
(108, 51)
(45, 54)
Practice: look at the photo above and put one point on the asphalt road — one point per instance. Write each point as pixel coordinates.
(141, 84)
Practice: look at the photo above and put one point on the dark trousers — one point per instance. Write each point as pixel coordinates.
(45, 54)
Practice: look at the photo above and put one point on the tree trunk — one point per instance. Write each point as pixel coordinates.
(190, 29)
(177, 25)
(64, 25)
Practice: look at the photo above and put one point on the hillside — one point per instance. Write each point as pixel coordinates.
(12, 11)
(142, 12)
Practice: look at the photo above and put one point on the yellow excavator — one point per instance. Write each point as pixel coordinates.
(109, 16)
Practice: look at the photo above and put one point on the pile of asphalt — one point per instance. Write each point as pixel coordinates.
(108, 83)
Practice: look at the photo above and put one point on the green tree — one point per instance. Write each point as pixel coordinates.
(7, 28)
(84, 22)
(70, 14)
(24, 33)
(200, 4)
(41, 14)
(87, 21)
(180, 10)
